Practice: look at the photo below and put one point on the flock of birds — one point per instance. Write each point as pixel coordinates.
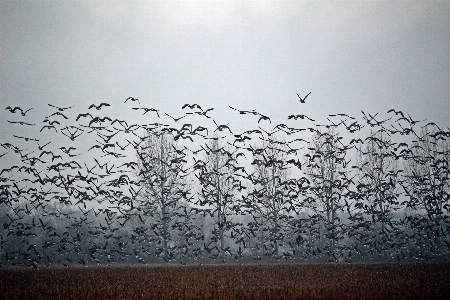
(98, 196)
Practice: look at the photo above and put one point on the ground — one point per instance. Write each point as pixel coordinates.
(289, 281)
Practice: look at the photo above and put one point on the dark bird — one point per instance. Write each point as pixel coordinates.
(58, 113)
(84, 116)
(199, 128)
(303, 100)
(132, 99)
(72, 132)
(106, 138)
(25, 138)
(146, 110)
(433, 124)
(253, 112)
(42, 147)
(398, 112)
(22, 112)
(264, 118)
(295, 117)
(99, 106)
(67, 150)
(342, 115)
(20, 122)
(48, 127)
(50, 153)
(222, 127)
(183, 136)
(60, 108)
(51, 122)
(356, 141)
(99, 120)
(297, 163)
(192, 106)
(176, 119)
(201, 113)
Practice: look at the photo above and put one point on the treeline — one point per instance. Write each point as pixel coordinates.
(114, 192)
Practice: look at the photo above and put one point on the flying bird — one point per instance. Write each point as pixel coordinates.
(146, 110)
(60, 108)
(59, 114)
(99, 106)
(48, 127)
(132, 99)
(176, 119)
(295, 117)
(20, 122)
(303, 100)
(13, 110)
(192, 106)
(397, 112)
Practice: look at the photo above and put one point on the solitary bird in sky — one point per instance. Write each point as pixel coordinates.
(303, 100)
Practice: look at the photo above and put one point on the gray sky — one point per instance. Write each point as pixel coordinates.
(352, 56)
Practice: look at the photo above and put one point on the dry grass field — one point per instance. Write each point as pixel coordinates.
(316, 281)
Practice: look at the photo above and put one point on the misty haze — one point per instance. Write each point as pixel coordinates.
(250, 140)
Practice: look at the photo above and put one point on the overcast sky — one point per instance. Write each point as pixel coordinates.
(351, 56)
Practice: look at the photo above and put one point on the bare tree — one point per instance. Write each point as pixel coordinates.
(377, 188)
(165, 187)
(270, 202)
(325, 168)
(427, 186)
(218, 192)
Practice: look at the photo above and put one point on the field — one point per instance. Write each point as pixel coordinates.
(289, 281)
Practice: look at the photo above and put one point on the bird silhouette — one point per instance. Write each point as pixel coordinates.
(132, 99)
(22, 112)
(146, 110)
(60, 108)
(98, 107)
(303, 100)
(295, 117)
(21, 123)
(176, 119)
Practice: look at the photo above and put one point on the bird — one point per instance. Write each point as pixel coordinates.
(146, 110)
(51, 122)
(85, 115)
(303, 100)
(222, 127)
(58, 113)
(132, 99)
(253, 112)
(25, 138)
(98, 107)
(48, 127)
(176, 119)
(295, 117)
(191, 106)
(201, 113)
(99, 120)
(68, 150)
(264, 118)
(22, 112)
(398, 112)
(72, 132)
(20, 122)
(60, 108)
(42, 147)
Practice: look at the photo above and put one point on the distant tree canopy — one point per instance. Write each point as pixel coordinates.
(90, 188)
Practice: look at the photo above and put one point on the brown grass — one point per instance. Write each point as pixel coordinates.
(321, 281)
